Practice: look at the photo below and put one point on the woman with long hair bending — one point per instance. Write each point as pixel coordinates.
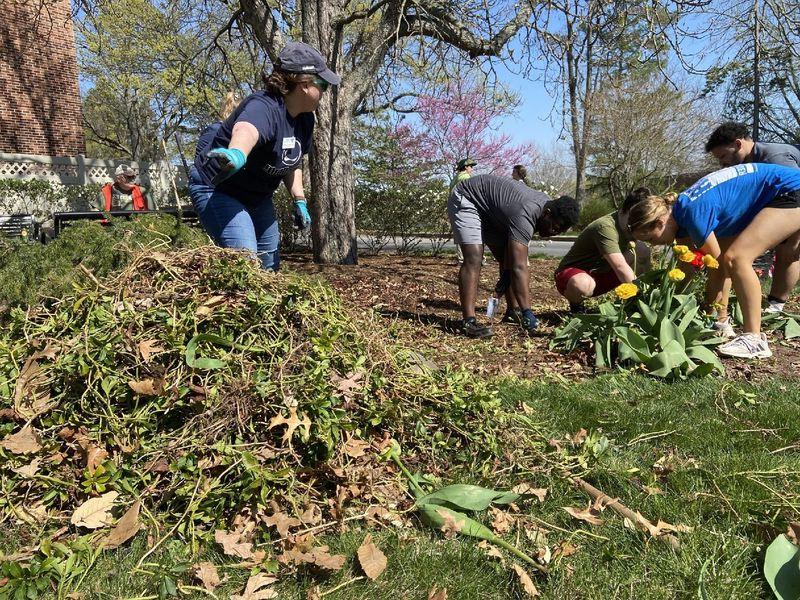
(735, 215)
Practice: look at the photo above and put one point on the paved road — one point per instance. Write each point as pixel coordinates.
(551, 248)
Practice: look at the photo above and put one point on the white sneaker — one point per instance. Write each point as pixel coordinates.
(747, 345)
(775, 307)
(724, 328)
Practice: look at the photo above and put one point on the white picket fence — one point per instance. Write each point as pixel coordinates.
(63, 171)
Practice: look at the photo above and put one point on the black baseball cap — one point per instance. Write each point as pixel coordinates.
(297, 57)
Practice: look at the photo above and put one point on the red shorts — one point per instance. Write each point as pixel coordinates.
(604, 282)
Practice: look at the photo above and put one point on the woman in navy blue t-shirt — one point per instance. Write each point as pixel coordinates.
(261, 143)
(735, 215)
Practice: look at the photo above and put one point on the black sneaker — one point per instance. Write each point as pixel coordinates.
(473, 330)
(513, 315)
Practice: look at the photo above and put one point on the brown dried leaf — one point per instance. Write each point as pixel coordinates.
(492, 551)
(436, 594)
(587, 514)
(314, 593)
(579, 437)
(528, 489)
(371, 559)
(451, 526)
(355, 448)
(206, 573)
(526, 582)
(502, 521)
(256, 588)
(30, 469)
(653, 491)
(565, 549)
(25, 441)
(95, 512)
(233, 545)
(127, 527)
(346, 385)
(147, 387)
(282, 522)
(292, 423)
(324, 559)
(148, 348)
(29, 400)
(207, 307)
(312, 515)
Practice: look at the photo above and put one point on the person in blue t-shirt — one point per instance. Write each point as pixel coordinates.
(261, 143)
(734, 214)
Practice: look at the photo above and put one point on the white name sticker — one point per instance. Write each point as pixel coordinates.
(288, 143)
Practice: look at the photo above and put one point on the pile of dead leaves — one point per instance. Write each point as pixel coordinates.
(197, 397)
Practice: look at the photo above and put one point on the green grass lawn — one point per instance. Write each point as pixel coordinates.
(728, 468)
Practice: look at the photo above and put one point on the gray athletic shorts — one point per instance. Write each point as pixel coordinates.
(464, 219)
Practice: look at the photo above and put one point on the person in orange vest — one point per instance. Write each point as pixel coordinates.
(123, 193)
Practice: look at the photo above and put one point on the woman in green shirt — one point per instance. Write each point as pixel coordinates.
(601, 257)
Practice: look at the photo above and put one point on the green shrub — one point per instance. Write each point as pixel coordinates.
(29, 270)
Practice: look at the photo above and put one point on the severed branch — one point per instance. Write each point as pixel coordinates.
(391, 104)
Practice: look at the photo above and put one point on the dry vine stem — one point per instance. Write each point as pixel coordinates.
(634, 517)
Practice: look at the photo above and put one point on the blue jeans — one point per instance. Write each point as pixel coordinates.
(232, 224)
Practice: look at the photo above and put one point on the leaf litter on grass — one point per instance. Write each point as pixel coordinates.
(254, 423)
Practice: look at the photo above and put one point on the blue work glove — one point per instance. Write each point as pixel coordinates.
(230, 159)
(302, 218)
(529, 320)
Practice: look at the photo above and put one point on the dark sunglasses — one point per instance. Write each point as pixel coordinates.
(320, 83)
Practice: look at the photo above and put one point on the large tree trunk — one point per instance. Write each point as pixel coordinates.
(333, 230)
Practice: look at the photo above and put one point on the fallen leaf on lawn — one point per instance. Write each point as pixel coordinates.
(256, 588)
(148, 348)
(94, 513)
(652, 491)
(793, 532)
(502, 521)
(383, 514)
(312, 515)
(127, 527)
(526, 489)
(437, 594)
(451, 526)
(602, 501)
(313, 593)
(526, 582)
(35, 514)
(544, 555)
(30, 469)
(579, 437)
(371, 559)
(565, 549)
(206, 573)
(292, 423)
(492, 551)
(25, 441)
(233, 545)
(282, 522)
(355, 448)
(323, 558)
(147, 387)
(587, 514)
(662, 527)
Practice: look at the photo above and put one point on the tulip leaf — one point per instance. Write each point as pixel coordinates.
(668, 333)
(671, 357)
(204, 363)
(782, 568)
(468, 497)
(705, 356)
(791, 329)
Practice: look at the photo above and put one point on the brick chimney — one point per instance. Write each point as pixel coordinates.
(40, 105)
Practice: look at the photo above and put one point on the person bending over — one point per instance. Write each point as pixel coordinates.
(603, 256)
(501, 213)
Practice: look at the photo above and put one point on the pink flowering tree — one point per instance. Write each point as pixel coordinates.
(461, 123)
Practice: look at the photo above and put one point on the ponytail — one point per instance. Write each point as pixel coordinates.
(644, 214)
(231, 102)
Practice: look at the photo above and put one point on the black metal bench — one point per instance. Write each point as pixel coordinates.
(19, 225)
(63, 219)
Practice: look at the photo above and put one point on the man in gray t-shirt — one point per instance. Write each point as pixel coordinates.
(503, 214)
(731, 144)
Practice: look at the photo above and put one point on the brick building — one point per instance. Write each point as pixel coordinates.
(40, 106)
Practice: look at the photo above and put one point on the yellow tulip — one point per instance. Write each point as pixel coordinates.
(626, 290)
(710, 262)
(687, 256)
(680, 249)
(676, 275)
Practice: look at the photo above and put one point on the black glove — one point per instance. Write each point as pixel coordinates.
(503, 283)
